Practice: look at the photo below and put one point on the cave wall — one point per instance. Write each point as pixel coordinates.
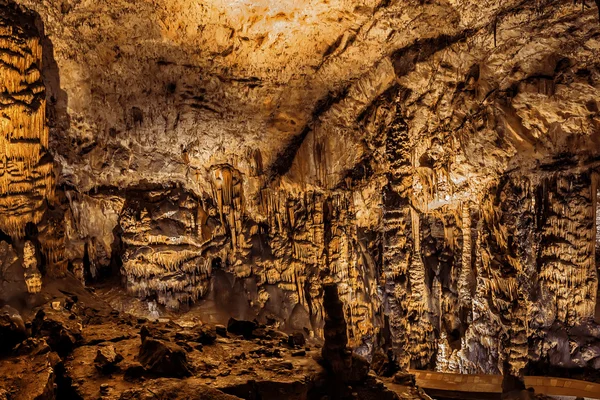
(447, 181)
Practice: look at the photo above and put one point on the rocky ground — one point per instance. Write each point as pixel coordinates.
(66, 343)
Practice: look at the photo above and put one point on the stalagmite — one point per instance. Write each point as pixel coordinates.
(33, 278)
(464, 284)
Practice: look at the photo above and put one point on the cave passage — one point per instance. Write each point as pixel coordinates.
(299, 199)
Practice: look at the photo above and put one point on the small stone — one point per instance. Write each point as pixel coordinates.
(221, 330)
(296, 340)
(133, 373)
(241, 327)
(104, 388)
(107, 358)
(56, 305)
(61, 329)
(404, 378)
(300, 353)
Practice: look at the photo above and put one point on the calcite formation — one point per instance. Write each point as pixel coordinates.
(26, 178)
(435, 162)
(33, 278)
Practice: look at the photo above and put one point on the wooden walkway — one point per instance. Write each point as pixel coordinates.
(493, 384)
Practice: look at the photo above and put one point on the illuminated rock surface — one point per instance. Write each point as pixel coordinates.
(437, 162)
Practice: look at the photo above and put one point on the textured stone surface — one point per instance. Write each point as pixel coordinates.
(26, 178)
(12, 328)
(436, 161)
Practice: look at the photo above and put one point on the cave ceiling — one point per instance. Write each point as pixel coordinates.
(164, 90)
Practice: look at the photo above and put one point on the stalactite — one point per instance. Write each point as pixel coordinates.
(566, 256)
(25, 174)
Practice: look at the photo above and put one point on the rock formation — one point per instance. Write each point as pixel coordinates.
(433, 163)
(26, 180)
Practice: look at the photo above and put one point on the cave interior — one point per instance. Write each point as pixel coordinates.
(299, 199)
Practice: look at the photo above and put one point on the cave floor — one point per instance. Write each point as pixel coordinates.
(70, 326)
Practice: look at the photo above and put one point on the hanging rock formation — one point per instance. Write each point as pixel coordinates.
(26, 178)
(433, 163)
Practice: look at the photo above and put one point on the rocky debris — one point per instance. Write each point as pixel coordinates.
(204, 335)
(32, 346)
(107, 359)
(62, 329)
(339, 358)
(266, 352)
(264, 389)
(12, 329)
(384, 365)
(163, 358)
(404, 378)
(296, 339)
(30, 376)
(189, 389)
(242, 328)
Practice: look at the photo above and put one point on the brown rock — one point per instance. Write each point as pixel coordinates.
(163, 358)
(189, 389)
(296, 339)
(242, 328)
(107, 358)
(12, 328)
(61, 329)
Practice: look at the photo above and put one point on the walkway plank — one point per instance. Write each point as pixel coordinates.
(550, 386)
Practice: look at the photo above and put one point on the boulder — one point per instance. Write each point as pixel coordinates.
(107, 359)
(221, 330)
(12, 328)
(163, 358)
(296, 340)
(201, 334)
(31, 377)
(241, 327)
(61, 329)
